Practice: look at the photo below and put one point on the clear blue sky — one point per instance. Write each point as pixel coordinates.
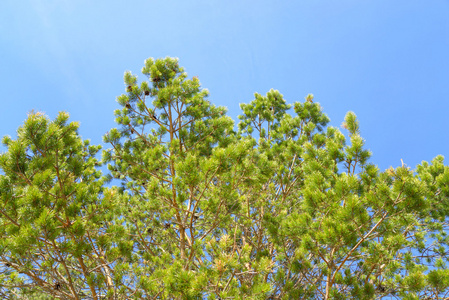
(388, 61)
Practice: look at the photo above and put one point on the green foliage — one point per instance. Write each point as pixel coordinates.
(280, 206)
(53, 203)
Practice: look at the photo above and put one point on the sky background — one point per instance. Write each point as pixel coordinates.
(388, 61)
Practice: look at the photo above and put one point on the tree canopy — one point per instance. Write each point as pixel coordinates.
(281, 206)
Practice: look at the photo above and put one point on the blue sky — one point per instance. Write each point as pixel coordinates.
(388, 61)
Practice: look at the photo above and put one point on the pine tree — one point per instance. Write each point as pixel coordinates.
(280, 207)
(181, 165)
(55, 213)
